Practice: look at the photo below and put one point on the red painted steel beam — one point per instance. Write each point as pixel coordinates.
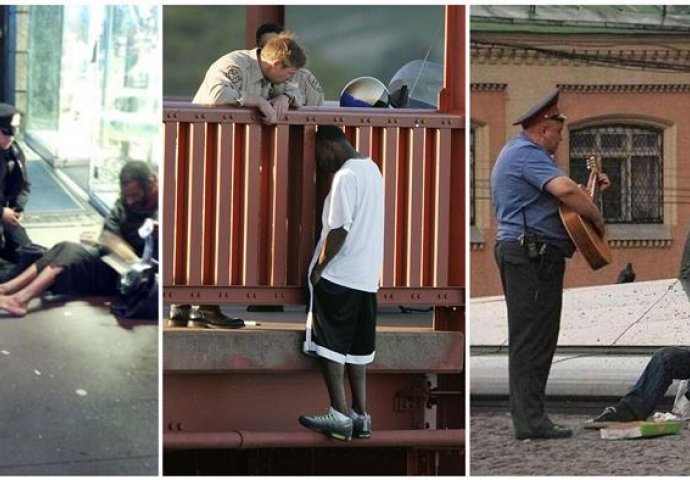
(223, 220)
(242, 439)
(356, 117)
(248, 295)
(259, 233)
(258, 14)
(390, 171)
(452, 95)
(168, 182)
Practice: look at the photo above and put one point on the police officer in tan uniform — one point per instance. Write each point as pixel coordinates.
(260, 78)
(309, 86)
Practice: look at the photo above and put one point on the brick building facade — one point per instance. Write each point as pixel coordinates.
(624, 76)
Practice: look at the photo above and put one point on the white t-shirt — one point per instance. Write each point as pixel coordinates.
(355, 203)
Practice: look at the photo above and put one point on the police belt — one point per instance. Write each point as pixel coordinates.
(545, 249)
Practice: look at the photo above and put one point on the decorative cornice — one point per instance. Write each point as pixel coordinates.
(519, 55)
(626, 88)
(488, 87)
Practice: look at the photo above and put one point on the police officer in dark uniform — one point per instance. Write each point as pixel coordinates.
(14, 186)
(532, 244)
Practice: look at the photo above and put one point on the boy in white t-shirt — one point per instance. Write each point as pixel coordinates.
(344, 279)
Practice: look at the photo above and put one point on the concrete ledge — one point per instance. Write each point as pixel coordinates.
(270, 349)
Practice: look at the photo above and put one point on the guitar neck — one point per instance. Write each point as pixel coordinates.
(592, 183)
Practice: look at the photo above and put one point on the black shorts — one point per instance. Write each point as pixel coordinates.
(344, 323)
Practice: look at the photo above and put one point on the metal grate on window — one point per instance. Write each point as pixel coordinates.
(632, 157)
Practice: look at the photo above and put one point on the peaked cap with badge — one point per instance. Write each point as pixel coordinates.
(545, 109)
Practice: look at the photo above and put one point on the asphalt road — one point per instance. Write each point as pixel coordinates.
(494, 451)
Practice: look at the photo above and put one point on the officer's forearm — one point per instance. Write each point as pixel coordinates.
(570, 193)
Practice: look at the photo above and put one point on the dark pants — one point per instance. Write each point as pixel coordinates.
(533, 291)
(15, 237)
(667, 364)
(84, 273)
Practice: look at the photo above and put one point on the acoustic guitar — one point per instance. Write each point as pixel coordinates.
(594, 248)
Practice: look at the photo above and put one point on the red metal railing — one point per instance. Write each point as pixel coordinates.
(243, 200)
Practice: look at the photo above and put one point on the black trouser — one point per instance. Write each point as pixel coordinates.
(533, 291)
(15, 237)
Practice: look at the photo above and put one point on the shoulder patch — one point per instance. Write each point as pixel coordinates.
(315, 84)
(234, 75)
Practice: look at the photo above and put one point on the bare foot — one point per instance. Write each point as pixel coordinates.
(12, 305)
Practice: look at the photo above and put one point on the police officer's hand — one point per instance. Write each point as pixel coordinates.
(603, 181)
(10, 217)
(281, 104)
(266, 110)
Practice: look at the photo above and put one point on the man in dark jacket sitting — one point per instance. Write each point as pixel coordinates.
(14, 186)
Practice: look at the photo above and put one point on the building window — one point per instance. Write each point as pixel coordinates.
(473, 206)
(632, 157)
(93, 91)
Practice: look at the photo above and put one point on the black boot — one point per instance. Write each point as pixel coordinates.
(211, 316)
(179, 315)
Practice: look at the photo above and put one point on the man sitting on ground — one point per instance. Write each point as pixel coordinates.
(74, 269)
(667, 364)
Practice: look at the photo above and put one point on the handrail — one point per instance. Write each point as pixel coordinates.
(241, 200)
(243, 439)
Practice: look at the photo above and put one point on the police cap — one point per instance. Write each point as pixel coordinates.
(545, 109)
(9, 119)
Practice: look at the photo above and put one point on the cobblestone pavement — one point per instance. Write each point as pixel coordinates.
(494, 451)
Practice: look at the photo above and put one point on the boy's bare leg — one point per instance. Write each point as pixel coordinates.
(333, 374)
(20, 281)
(358, 387)
(17, 303)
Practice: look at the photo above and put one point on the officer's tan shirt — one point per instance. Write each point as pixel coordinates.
(309, 87)
(235, 76)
